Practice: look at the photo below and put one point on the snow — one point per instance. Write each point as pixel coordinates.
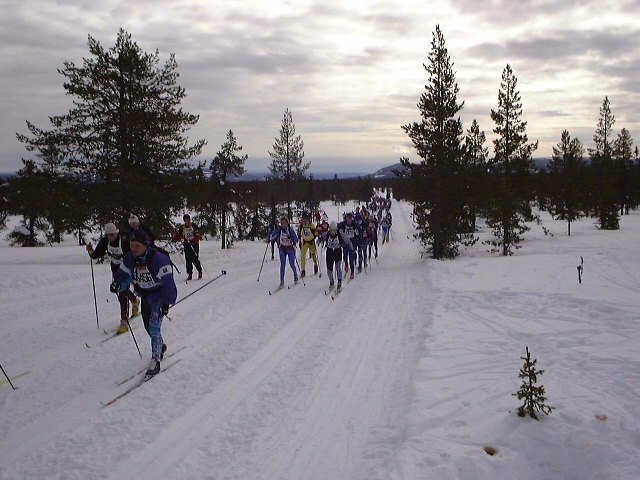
(408, 374)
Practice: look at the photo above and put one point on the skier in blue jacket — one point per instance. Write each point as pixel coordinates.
(152, 275)
(287, 240)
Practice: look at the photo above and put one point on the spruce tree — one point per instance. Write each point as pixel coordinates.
(623, 161)
(532, 395)
(287, 158)
(605, 204)
(476, 159)
(511, 170)
(440, 195)
(125, 130)
(566, 180)
(227, 163)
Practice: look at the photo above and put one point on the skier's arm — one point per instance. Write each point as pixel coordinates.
(100, 250)
(123, 277)
(161, 269)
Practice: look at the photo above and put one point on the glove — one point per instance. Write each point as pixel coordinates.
(165, 309)
(114, 287)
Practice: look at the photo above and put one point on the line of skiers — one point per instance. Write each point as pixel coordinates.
(355, 239)
(136, 260)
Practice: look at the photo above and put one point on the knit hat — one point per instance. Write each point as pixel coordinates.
(110, 228)
(139, 236)
(333, 226)
(133, 219)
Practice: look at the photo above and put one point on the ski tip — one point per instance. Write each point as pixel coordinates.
(87, 345)
(224, 272)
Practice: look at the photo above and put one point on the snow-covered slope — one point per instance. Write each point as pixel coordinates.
(407, 374)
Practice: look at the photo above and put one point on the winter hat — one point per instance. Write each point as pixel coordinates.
(110, 228)
(333, 226)
(133, 219)
(139, 236)
(358, 217)
(185, 216)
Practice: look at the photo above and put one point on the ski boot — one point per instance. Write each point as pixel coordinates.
(315, 269)
(351, 276)
(302, 273)
(281, 284)
(190, 277)
(200, 275)
(154, 368)
(124, 326)
(135, 308)
(339, 284)
(295, 279)
(331, 283)
(164, 349)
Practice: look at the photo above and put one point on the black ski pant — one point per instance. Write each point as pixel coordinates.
(191, 253)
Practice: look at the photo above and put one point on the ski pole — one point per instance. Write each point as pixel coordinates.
(224, 272)
(95, 301)
(263, 258)
(134, 337)
(8, 379)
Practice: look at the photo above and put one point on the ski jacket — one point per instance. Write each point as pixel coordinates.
(188, 235)
(151, 274)
(286, 237)
(362, 233)
(372, 229)
(116, 250)
(348, 231)
(335, 242)
(307, 232)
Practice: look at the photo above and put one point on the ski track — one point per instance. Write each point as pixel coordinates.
(258, 379)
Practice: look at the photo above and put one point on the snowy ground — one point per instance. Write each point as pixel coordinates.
(408, 374)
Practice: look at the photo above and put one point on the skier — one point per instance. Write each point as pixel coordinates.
(362, 241)
(116, 247)
(334, 241)
(151, 273)
(189, 235)
(272, 242)
(134, 225)
(348, 230)
(386, 227)
(287, 240)
(372, 234)
(307, 234)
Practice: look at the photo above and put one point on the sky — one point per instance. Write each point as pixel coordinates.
(350, 72)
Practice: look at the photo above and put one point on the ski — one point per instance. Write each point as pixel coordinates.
(223, 273)
(141, 371)
(336, 293)
(289, 287)
(115, 329)
(329, 290)
(138, 384)
(276, 290)
(14, 378)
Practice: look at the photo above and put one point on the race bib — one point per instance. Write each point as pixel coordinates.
(143, 278)
(285, 239)
(115, 253)
(333, 243)
(188, 233)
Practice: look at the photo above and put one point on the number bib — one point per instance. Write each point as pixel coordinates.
(188, 233)
(115, 253)
(333, 243)
(143, 278)
(349, 231)
(285, 239)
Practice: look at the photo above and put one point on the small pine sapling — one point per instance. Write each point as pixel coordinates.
(533, 396)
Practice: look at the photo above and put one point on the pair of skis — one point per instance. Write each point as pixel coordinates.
(279, 288)
(333, 292)
(144, 379)
(113, 333)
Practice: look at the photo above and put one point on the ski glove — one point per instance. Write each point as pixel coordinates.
(165, 309)
(115, 286)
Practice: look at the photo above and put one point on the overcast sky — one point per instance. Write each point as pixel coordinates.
(351, 72)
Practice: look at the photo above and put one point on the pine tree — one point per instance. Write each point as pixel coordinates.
(533, 396)
(623, 161)
(125, 130)
(566, 178)
(476, 159)
(287, 157)
(511, 169)
(440, 194)
(605, 206)
(227, 163)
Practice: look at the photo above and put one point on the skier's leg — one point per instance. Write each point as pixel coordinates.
(283, 263)
(292, 263)
(196, 259)
(155, 324)
(339, 270)
(124, 306)
(303, 255)
(146, 313)
(188, 259)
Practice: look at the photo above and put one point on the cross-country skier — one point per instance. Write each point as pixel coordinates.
(152, 275)
(386, 227)
(348, 230)
(372, 234)
(307, 233)
(362, 241)
(189, 235)
(335, 241)
(116, 247)
(134, 225)
(287, 240)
